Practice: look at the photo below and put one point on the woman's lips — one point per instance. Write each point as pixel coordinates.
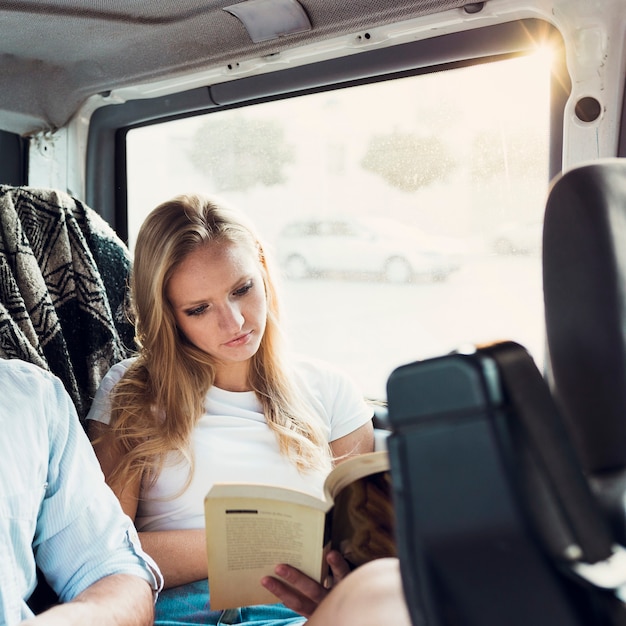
(239, 340)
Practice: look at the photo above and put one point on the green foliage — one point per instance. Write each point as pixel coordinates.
(237, 153)
(408, 161)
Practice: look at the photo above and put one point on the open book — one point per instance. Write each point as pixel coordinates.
(251, 528)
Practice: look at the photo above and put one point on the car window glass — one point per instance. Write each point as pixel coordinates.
(443, 176)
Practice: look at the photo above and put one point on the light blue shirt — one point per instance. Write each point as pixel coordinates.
(55, 509)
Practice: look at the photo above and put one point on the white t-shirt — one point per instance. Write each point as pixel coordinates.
(232, 443)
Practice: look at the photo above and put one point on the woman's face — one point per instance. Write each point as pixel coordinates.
(218, 299)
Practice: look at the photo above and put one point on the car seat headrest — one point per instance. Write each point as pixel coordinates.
(584, 276)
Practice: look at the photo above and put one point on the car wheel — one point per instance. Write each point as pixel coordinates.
(439, 276)
(296, 267)
(503, 246)
(398, 270)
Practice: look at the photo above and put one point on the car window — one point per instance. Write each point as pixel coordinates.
(442, 176)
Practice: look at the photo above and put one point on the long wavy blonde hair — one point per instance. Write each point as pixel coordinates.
(160, 398)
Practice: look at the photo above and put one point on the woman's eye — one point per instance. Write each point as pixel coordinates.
(199, 310)
(242, 291)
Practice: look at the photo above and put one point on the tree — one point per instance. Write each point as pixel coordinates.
(521, 154)
(408, 161)
(237, 153)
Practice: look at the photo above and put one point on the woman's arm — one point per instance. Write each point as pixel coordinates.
(116, 600)
(109, 456)
(357, 442)
(180, 554)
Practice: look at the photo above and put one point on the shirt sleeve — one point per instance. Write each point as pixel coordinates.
(350, 410)
(335, 396)
(82, 533)
(100, 410)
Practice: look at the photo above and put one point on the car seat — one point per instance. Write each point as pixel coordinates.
(509, 484)
(584, 274)
(63, 289)
(496, 523)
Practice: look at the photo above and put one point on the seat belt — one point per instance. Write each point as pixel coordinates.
(534, 405)
(595, 556)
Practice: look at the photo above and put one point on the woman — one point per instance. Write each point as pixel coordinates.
(211, 397)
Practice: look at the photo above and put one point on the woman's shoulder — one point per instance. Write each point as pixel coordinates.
(100, 409)
(117, 371)
(334, 395)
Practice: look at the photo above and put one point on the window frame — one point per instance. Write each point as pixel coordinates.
(106, 175)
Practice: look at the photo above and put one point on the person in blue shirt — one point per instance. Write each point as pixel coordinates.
(58, 515)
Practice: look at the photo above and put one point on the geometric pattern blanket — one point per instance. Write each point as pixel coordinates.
(63, 289)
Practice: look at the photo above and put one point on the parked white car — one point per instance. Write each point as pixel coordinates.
(518, 238)
(363, 247)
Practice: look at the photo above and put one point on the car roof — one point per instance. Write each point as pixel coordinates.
(55, 54)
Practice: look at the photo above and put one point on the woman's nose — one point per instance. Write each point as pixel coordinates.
(232, 318)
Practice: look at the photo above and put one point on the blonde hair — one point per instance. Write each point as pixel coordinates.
(160, 398)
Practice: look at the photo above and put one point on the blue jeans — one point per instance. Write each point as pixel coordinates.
(189, 604)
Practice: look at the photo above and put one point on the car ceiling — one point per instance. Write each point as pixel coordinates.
(54, 54)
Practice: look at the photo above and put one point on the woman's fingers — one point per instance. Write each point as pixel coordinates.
(300, 592)
(338, 565)
(295, 590)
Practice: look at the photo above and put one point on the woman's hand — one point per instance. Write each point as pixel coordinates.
(298, 591)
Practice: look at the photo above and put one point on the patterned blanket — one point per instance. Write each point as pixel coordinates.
(63, 289)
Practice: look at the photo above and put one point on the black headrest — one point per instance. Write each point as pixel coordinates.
(584, 274)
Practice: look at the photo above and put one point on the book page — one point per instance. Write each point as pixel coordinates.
(353, 468)
(363, 519)
(247, 538)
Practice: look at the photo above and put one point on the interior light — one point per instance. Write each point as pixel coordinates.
(270, 19)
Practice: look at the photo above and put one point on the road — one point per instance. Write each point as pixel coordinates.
(369, 328)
